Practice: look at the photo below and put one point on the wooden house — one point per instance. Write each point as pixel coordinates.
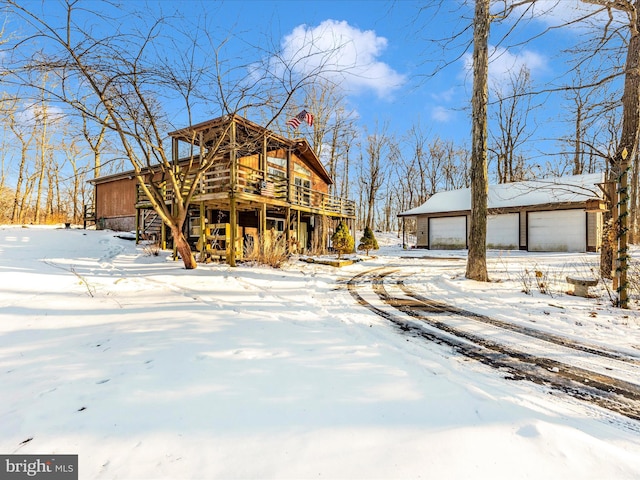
(260, 184)
(557, 214)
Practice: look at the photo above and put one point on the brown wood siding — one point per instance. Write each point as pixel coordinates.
(116, 198)
(317, 183)
(594, 231)
(523, 230)
(251, 161)
(422, 232)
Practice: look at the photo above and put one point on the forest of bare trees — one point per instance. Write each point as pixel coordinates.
(73, 112)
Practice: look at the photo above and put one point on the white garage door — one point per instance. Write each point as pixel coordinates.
(557, 231)
(447, 233)
(503, 231)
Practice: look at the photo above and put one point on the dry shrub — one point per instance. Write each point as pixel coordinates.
(542, 279)
(270, 249)
(150, 246)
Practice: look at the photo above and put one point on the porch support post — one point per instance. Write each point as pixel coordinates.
(137, 226)
(298, 231)
(233, 226)
(262, 227)
(287, 227)
(233, 156)
(262, 166)
(203, 233)
(289, 176)
(233, 216)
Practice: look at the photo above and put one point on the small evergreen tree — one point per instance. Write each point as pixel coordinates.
(342, 239)
(368, 241)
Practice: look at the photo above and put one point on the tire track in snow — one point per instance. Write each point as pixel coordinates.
(434, 322)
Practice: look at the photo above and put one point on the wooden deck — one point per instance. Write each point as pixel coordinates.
(253, 186)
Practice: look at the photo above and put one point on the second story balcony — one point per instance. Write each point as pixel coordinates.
(254, 185)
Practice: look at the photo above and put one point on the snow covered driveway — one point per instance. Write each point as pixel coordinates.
(148, 371)
(595, 373)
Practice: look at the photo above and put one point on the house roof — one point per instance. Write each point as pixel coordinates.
(300, 146)
(570, 189)
(188, 134)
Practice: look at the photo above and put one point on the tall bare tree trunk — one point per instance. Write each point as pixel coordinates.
(634, 204)
(627, 147)
(627, 150)
(477, 258)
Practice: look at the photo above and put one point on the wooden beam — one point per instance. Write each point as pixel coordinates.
(287, 227)
(298, 231)
(203, 233)
(137, 226)
(233, 226)
(233, 214)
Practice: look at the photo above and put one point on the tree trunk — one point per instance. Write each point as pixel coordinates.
(627, 150)
(477, 258)
(634, 204)
(607, 248)
(16, 210)
(183, 248)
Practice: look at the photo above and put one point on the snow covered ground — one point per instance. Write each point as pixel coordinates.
(146, 370)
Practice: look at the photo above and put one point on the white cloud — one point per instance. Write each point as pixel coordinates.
(504, 64)
(344, 54)
(445, 95)
(31, 114)
(560, 12)
(563, 13)
(442, 114)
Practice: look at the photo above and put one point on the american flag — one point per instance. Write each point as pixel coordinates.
(303, 116)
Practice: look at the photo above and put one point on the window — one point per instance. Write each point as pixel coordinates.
(276, 172)
(275, 223)
(276, 167)
(280, 162)
(302, 191)
(301, 170)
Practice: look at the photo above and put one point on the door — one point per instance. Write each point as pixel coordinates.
(447, 233)
(503, 231)
(557, 231)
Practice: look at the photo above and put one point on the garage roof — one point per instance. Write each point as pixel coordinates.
(576, 188)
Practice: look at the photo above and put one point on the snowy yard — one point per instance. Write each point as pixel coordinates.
(146, 370)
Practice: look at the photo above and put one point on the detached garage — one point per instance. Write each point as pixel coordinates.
(547, 215)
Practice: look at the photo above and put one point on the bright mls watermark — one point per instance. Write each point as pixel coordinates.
(49, 467)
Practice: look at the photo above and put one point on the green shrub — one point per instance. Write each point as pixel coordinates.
(342, 239)
(368, 241)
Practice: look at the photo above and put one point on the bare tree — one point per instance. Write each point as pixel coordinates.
(96, 139)
(512, 132)
(121, 81)
(25, 134)
(629, 135)
(373, 172)
(477, 257)
(333, 128)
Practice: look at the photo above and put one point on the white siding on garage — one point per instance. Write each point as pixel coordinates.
(503, 231)
(447, 233)
(557, 231)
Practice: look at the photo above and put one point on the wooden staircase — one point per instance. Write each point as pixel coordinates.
(150, 225)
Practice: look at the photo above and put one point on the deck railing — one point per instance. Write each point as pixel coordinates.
(252, 181)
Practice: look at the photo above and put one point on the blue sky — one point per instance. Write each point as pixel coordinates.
(394, 43)
(401, 71)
